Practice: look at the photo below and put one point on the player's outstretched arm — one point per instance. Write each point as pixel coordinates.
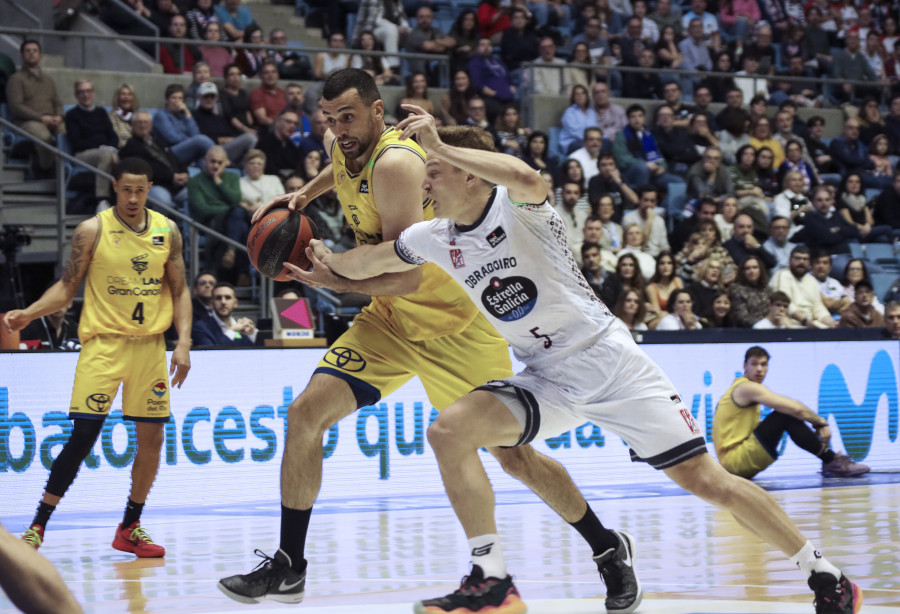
(748, 393)
(181, 307)
(30, 581)
(525, 184)
(363, 262)
(297, 201)
(63, 291)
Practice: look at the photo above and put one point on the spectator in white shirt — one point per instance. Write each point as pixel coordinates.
(681, 314)
(834, 296)
(645, 216)
(806, 308)
(777, 316)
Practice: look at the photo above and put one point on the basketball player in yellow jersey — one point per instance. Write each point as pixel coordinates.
(745, 445)
(130, 259)
(420, 322)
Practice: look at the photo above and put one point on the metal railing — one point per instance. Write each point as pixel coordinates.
(143, 20)
(195, 229)
(180, 43)
(526, 89)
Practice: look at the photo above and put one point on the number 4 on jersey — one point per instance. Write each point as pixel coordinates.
(138, 313)
(547, 341)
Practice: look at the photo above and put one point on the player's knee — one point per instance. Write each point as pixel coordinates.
(84, 435)
(150, 438)
(307, 419)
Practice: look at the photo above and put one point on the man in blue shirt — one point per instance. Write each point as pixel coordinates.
(175, 127)
(234, 18)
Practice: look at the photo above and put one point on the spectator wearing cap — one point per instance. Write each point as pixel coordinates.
(213, 124)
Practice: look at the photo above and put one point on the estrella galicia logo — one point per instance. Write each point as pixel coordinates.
(159, 240)
(139, 263)
(346, 359)
(160, 389)
(497, 236)
(98, 402)
(364, 186)
(511, 298)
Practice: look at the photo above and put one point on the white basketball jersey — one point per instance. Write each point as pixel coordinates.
(516, 266)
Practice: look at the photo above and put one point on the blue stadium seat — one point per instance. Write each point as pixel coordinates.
(856, 250)
(872, 194)
(881, 283)
(878, 252)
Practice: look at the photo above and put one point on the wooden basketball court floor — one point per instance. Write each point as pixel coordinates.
(379, 556)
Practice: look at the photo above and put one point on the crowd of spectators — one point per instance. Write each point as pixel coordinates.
(696, 212)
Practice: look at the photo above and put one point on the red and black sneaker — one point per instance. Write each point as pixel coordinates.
(34, 536)
(136, 539)
(835, 596)
(477, 594)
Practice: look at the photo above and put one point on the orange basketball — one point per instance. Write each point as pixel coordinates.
(280, 236)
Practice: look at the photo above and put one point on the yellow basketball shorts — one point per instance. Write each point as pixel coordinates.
(138, 363)
(375, 361)
(747, 458)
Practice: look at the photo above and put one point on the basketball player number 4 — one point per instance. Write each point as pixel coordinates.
(138, 314)
(547, 341)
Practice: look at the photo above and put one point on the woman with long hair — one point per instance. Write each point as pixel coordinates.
(537, 156)
(746, 180)
(724, 219)
(572, 171)
(576, 75)
(856, 271)
(878, 154)
(627, 276)
(719, 86)
(765, 169)
(216, 56)
(851, 203)
(750, 292)
(509, 134)
(124, 104)
(455, 103)
(235, 100)
(663, 283)
(709, 285)
(466, 32)
(631, 310)
(579, 115)
(668, 55)
(373, 64)
(871, 124)
(417, 94)
(249, 59)
(681, 314)
(312, 164)
(719, 313)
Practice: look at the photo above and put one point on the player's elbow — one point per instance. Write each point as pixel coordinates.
(409, 281)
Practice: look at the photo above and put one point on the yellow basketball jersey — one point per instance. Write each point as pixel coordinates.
(440, 306)
(126, 292)
(732, 424)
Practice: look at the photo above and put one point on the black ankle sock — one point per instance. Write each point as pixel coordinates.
(598, 537)
(827, 456)
(294, 525)
(42, 517)
(132, 513)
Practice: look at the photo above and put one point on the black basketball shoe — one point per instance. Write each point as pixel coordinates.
(272, 579)
(477, 594)
(835, 596)
(616, 566)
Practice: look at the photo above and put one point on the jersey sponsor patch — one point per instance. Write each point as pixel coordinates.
(456, 258)
(510, 299)
(159, 240)
(364, 187)
(346, 359)
(98, 402)
(689, 419)
(497, 236)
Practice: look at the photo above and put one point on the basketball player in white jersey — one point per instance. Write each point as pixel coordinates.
(505, 245)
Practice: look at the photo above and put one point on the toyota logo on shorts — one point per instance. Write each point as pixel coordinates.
(98, 402)
(346, 359)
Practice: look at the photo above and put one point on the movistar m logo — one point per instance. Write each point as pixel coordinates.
(857, 422)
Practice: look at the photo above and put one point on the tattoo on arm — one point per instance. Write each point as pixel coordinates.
(76, 266)
(176, 271)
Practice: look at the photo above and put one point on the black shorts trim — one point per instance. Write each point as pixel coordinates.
(675, 456)
(365, 393)
(133, 419)
(101, 417)
(80, 416)
(529, 403)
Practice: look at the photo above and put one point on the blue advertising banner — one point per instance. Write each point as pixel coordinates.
(226, 437)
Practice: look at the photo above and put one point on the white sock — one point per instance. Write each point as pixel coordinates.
(809, 560)
(487, 554)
